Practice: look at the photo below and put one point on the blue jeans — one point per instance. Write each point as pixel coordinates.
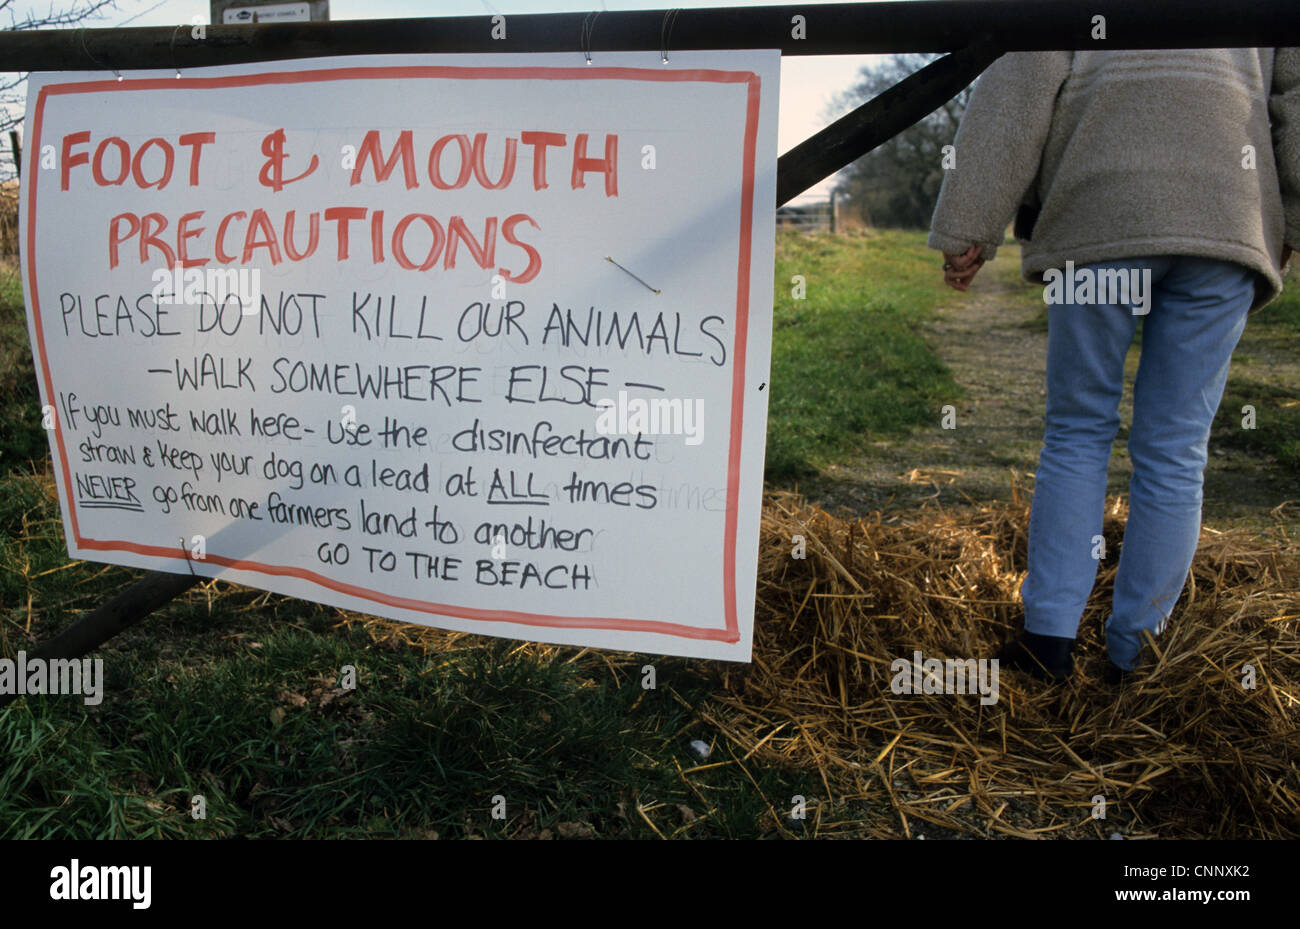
(1196, 312)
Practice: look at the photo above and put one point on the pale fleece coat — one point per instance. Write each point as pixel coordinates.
(1130, 153)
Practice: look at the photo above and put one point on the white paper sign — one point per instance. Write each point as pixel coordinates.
(478, 342)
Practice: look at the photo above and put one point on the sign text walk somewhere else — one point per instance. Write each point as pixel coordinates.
(472, 341)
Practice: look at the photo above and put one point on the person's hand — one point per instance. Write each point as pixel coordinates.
(960, 270)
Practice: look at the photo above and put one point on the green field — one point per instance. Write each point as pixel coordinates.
(848, 363)
(1263, 376)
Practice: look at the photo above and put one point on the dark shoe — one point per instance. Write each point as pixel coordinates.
(1046, 657)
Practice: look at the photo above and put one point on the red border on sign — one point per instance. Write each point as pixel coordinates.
(731, 631)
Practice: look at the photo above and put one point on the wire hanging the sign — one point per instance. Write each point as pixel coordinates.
(588, 27)
(666, 32)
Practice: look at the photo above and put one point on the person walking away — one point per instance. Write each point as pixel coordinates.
(1169, 182)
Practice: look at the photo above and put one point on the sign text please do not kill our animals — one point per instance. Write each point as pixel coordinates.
(468, 341)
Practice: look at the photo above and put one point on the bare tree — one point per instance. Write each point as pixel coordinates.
(12, 85)
(898, 183)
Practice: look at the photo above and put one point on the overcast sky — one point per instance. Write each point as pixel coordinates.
(808, 83)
